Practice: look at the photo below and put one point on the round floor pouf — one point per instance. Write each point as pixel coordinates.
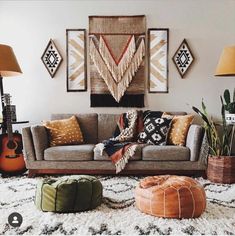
(69, 194)
(170, 196)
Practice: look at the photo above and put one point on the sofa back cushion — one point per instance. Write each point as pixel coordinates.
(88, 124)
(106, 125)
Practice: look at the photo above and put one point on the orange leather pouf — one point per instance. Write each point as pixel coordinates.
(170, 196)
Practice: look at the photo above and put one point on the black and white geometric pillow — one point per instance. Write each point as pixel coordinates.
(155, 131)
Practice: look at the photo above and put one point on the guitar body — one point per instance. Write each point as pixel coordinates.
(11, 156)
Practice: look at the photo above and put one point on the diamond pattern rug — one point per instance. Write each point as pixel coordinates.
(117, 215)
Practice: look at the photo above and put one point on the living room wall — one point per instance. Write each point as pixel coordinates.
(27, 26)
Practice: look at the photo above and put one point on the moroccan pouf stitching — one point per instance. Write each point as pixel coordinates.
(170, 196)
(69, 194)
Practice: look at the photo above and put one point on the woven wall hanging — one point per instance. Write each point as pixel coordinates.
(117, 65)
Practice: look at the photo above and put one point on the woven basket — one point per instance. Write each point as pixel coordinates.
(221, 169)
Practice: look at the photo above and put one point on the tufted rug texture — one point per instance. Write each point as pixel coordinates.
(117, 215)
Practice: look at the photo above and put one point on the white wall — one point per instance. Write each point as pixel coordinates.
(208, 25)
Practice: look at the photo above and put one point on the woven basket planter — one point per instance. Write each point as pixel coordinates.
(221, 169)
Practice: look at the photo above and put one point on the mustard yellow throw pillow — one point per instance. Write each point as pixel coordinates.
(64, 132)
(179, 129)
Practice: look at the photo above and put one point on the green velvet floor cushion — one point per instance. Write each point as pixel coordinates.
(69, 194)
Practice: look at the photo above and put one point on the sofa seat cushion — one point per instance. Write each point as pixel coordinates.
(82, 152)
(165, 153)
(105, 157)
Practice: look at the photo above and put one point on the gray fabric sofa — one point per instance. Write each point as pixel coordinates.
(81, 159)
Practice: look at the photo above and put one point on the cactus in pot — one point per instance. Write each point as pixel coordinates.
(229, 104)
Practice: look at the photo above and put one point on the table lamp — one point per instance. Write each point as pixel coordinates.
(226, 65)
(8, 65)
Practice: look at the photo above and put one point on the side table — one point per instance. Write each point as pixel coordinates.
(4, 128)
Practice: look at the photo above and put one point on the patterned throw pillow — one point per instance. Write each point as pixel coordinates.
(179, 129)
(64, 132)
(155, 131)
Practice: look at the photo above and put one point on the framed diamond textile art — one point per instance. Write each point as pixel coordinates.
(158, 60)
(76, 60)
(183, 58)
(51, 58)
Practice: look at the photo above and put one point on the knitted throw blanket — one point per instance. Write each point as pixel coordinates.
(123, 145)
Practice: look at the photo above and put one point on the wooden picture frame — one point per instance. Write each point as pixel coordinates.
(76, 56)
(158, 52)
(51, 58)
(184, 64)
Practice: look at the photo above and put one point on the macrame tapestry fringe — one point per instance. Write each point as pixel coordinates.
(117, 89)
(102, 69)
(117, 70)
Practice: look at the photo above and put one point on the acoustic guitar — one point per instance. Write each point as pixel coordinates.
(11, 146)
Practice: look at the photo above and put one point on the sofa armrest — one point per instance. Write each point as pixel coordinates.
(40, 140)
(28, 147)
(204, 151)
(194, 141)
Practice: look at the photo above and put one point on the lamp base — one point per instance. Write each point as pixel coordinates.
(1, 90)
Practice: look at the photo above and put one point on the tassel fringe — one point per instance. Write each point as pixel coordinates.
(120, 165)
(99, 148)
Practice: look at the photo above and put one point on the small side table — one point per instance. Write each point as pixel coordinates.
(4, 128)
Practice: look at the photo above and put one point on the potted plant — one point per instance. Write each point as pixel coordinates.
(221, 163)
(229, 106)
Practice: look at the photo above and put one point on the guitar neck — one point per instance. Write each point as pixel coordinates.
(7, 115)
(8, 123)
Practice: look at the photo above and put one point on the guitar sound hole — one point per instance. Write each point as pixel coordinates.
(11, 145)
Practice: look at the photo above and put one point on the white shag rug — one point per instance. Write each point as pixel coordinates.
(117, 215)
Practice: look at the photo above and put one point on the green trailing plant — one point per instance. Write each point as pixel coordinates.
(218, 143)
(229, 102)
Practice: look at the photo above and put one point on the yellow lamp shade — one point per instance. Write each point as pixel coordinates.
(226, 65)
(8, 62)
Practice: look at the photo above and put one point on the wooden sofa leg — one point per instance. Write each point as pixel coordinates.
(31, 173)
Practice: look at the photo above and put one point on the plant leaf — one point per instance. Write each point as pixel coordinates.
(234, 95)
(205, 119)
(227, 96)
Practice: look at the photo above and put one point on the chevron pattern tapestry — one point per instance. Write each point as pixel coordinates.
(158, 60)
(76, 60)
(117, 60)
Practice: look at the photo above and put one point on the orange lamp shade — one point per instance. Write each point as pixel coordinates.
(226, 65)
(8, 62)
